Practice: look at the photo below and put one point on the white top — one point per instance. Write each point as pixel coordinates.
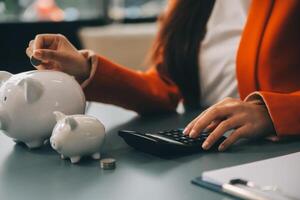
(217, 60)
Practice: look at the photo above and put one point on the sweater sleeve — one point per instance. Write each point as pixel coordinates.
(284, 110)
(144, 92)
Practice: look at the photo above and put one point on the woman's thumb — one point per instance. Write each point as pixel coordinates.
(47, 55)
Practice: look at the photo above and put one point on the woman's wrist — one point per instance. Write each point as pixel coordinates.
(270, 131)
(86, 70)
(90, 67)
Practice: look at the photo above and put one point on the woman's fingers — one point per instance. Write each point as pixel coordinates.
(45, 41)
(40, 67)
(215, 113)
(48, 66)
(246, 119)
(187, 129)
(29, 49)
(31, 42)
(222, 128)
(213, 125)
(29, 52)
(49, 55)
(234, 137)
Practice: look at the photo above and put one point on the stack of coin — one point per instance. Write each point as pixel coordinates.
(108, 163)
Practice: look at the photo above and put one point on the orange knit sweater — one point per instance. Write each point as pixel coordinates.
(268, 65)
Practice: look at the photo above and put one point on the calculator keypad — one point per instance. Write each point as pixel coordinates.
(167, 143)
(178, 135)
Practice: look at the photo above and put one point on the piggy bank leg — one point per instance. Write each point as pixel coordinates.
(46, 142)
(96, 156)
(34, 144)
(62, 157)
(75, 159)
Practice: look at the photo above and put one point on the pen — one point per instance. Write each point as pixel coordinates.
(233, 188)
(261, 188)
(229, 189)
(240, 192)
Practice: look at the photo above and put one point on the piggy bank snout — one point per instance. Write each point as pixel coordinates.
(55, 144)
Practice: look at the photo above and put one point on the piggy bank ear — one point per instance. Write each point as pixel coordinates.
(59, 115)
(33, 89)
(72, 123)
(4, 76)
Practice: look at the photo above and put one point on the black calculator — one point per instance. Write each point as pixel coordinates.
(166, 143)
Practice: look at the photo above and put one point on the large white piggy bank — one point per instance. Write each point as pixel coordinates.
(75, 136)
(28, 100)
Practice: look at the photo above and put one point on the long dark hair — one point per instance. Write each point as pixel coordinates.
(176, 48)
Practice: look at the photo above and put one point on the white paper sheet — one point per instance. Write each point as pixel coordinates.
(282, 172)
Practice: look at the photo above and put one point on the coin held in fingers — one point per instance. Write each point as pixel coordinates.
(35, 62)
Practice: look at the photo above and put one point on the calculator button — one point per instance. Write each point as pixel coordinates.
(206, 131)
(204, 135)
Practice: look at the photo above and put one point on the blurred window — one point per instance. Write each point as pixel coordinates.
(72, 10)
(135, 9)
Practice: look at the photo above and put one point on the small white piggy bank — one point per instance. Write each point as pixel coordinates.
(75, 136)
(28, 100)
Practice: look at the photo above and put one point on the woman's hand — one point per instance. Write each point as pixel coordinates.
(246, 119)
(57, 53)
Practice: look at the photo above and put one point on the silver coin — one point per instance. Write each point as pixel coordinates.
(35, 62)
(108, 163)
